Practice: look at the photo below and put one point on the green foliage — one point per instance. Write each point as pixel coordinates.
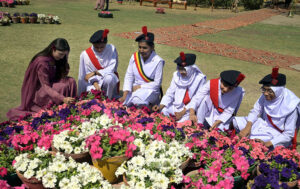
(252, 4)
(7, 155)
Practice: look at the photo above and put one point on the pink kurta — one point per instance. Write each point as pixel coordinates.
(40, 88)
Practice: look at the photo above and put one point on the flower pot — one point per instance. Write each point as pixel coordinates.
(109, 166)
(49, 20)
(16, 19)
(120, 2)
(32, 183)
(27, 2)
(4, 4)
(32, 19)
(24, 20)
(42, 21)
(12, 179)
(185, 164)
(125, 180)
(19, 2)
(11, 5)
(82, 157)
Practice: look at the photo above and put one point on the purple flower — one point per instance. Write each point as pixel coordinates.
(196, 135)
(121, 112)
(264, 168)
(145, 120)
(284, 186)
(8, 130)
(64, 113)
(286, 172)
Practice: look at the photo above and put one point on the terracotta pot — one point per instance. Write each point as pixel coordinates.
(24, 20)
(109, 166)
(32, 19)
(83, 157)
(16, 19)
(185, 164)
(125, 180)
(11, 5)
(32, 183)
(4, 4)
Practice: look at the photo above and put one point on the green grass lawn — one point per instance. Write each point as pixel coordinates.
(20, 42)
(275, 38)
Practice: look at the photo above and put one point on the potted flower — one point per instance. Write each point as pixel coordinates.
(105, 14)
(56, 19)
(158, 166)
(160, 10)
(71, 143)
(47, 170)
(4, 20)
(4, 3)
(33, 18)
(49, 19)
(7, 171)
(24, 18)
(16, 18)
(275, 172)
(11, 3)
(41, 18)
(109, 148)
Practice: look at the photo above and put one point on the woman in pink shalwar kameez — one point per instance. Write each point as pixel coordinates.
(46, 80)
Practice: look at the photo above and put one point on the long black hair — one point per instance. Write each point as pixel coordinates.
(60, 44)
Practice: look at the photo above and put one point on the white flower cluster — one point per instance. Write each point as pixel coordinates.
(142, 139)
(158, 165)
(75, 175)
(89, 128)
(41, 16)
(69, 144)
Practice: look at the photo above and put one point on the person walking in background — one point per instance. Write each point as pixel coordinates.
(98, 66)
(99, 5)
(46, 80)
(185, 82)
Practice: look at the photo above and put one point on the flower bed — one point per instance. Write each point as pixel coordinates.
(149, 143)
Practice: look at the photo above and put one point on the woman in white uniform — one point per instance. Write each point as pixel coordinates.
(218, 100)
(144, 74)
(185, 82)
(98, 66)
(274, 116)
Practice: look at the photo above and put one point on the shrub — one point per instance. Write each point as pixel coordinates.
(252, 4)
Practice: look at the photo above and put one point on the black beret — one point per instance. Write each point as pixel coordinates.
(232, 77)
(274, 79)
(99, 36)
(146, 36)
(185, 59)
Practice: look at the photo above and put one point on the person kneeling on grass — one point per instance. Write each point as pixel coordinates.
(98, 66)
(186, 81)
(274, 116)
(218, 100)
(46, 80)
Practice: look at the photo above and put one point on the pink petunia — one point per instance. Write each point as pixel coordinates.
(3, 171)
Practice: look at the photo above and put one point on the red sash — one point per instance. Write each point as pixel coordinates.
(214, 93)
(186, 98)
(294, 140)
(275, 127)
(96, 63)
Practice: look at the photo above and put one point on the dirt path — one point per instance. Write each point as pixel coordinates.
(182, 36)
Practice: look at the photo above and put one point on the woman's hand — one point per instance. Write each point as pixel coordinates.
(68, 100)
(179, 115)
(155, 108)
(97, 87)
(123, 98)
(136, 87)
